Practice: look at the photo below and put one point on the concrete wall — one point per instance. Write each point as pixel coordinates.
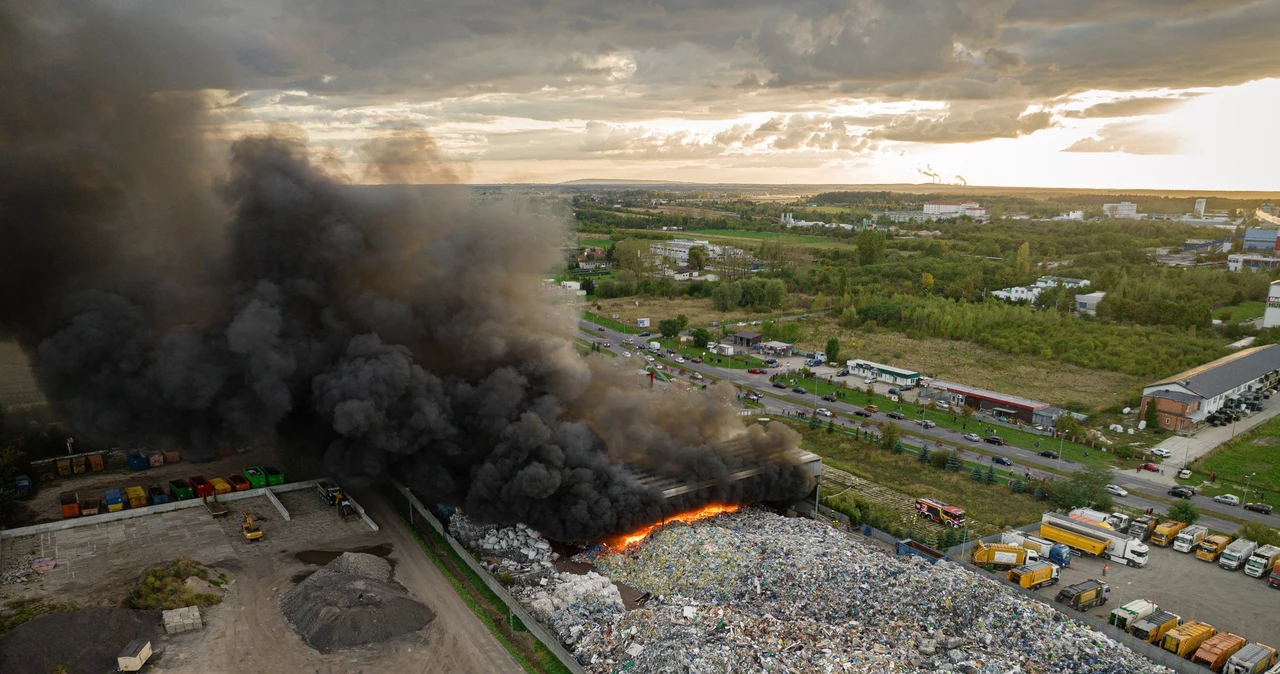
(535, 628)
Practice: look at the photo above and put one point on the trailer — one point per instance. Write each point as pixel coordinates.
(134, 656)
(1097, 541)
(211, 504)
(137, 497)
(1130, 613)
(910, 547)
(1084, 596)
(1152, 628)
(1252, 659)
(257, 479)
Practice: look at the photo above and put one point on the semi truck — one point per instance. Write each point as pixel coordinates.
(1152, 628)
(1058, 553)
(1117, 521)
(1184, 639)
(1142, 527)
(1262, 561)
(1097, 541)
(1252, 659)
(1084, 596)
(1035, 575)
(1166, 531)
(1001, 555)
(1189, 538)
(1211, 547)
(910, 547)
(1236, 554)
(1125, 616)
(1216, 650)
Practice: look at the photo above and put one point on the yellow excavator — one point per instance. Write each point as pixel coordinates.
(248, 528)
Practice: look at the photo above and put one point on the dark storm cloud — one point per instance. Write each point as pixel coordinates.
(965, 123)
(169, 297)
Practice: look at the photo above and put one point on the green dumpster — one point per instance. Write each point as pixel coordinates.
(274, 476)
(255, 476)
(181, 490)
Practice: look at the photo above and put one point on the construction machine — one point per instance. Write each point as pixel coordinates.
(248, 528)
(215, 509)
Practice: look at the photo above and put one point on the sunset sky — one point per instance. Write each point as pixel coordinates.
(1174, 94)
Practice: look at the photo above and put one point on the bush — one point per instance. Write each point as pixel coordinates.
(164, 588)
(1184, 511)
(942, 458)
(1260, 533)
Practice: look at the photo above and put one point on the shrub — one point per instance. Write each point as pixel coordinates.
(942, 458)
(164, 588)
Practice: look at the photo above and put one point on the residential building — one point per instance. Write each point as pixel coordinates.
(940, 210)
(1088, 303)
(885, 373)
(593, 264)
(1018, 293)
(1261, 239)
(1123, 210)
(1184, 400)
(1271, 317)
(1251, 262)
(1070, 215)
(998, 404)
(1054, 281)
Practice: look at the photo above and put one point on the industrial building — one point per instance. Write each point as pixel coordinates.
(885, 373)
(1258, 239)
(1088, 302)
(1186, 399)
(1123, 210)
(999, 404)
(1252, 262)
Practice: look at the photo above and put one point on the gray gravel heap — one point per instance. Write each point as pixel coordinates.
(351, 601)
(517, 550)
(757, 592)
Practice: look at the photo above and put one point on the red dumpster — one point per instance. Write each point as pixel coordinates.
(200, 485)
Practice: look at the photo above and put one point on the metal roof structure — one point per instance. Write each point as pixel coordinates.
(1213, 379)
(984, 394)
(1176, 396)
(749, 465)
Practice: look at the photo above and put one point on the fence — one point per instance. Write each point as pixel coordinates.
(535, 628)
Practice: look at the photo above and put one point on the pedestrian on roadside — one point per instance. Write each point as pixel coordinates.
(1104, 570)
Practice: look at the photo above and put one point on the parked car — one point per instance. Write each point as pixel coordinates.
(1182, 492)
(896, 415)
(696, 360)
(1000, 460)
(894, 391)
(679, 360)
(861, 413)
(1116, 490)
(1162, 452)
(927, 423)
(755, 370)
(1185, 473)
(1150, 466)
(626, 353)
(830, 397)
(1227, 499)
(1048, 454)
(799, 389)
(696, 375)
(770, 361)
(824, 412)
(646, 333)
(972, 437)
(600, 328)
(1258, 508)
(648, 359)
(842, 373)
(778, 384)
(943, 405)
(993, 440)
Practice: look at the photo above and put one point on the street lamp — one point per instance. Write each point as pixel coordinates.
(1247, 481)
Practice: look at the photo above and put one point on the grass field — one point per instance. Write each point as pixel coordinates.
(1256, 452)
(1243, 312)
(992, 504)
(967, 363)
(699, 310)
(691, 211)
(761, 236)
(595, 243)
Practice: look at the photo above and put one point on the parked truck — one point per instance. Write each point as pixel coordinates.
(910, 547)
(1262, 561)
(1216, 650)
(1097, 541)
(1166, 531)
(1084, 596)
(1058, 553)
(1035, 575)
(1189, 538)
(1237, 554)
(1152, 628)
(1125, 616)
(1252, 659)
(1001, 555)
(655, 347)
(1211, 547)
(1184, 639)
(1142, 527)
(114, 499)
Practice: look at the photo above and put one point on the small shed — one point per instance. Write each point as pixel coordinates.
(134, 655)
(747, 339)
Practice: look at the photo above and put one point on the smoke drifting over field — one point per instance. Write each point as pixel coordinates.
(169, 294)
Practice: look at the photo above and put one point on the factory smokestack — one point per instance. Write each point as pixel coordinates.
(166, 295)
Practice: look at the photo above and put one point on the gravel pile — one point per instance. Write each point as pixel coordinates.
(563, 589)
(753, 591)
(81, 641)
(352, 602)
(517, 550)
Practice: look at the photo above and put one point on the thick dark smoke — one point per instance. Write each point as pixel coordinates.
(399, 329)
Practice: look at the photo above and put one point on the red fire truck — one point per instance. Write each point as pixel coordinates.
(940, 512)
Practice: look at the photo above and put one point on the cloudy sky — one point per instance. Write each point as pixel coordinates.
(1089, 93)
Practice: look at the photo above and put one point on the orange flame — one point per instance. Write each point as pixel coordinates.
(624, 541)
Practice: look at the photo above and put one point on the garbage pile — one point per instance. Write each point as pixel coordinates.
(753, 591)
(352, 601)
(564, 589)
(517, 550)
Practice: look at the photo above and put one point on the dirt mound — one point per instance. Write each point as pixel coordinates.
(351, 602)
(81, 641)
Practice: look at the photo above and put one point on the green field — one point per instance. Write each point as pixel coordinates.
(761, 236)
(1254, 453)
(1243, 312)
(595, 243)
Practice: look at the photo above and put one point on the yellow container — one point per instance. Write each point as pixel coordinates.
(220, 486)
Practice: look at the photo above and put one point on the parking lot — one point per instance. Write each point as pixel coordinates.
(1191, 588)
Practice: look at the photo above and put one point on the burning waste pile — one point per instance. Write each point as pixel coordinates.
(754, 591)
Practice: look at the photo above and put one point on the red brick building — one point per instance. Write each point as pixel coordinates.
(1174, 410)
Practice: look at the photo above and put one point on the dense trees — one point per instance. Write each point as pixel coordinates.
(753, 292)
(871, 247)
(833, 350)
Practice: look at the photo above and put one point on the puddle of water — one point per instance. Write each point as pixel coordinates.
(322, 557)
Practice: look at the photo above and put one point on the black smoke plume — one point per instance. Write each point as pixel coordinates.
(169, 296)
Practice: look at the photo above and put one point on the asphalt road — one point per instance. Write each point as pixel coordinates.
(786, 400)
